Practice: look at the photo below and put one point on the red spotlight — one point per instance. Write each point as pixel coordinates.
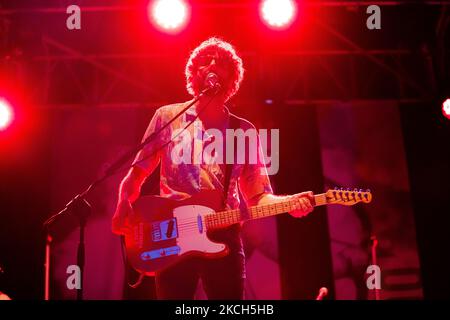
(278, 14)
(446, 108)
(6, 114)
(169, 16)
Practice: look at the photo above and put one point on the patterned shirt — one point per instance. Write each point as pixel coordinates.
(181, 179)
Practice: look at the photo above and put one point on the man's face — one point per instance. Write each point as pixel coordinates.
(212, 60)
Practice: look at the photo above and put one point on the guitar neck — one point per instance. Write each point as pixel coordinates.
(226, 218)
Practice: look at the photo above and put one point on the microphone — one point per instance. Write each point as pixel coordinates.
(212, 81)
(322, 293)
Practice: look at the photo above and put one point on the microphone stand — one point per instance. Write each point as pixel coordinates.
(81, 209)
(373, 250)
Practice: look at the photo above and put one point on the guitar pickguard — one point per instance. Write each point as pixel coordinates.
(191, 235)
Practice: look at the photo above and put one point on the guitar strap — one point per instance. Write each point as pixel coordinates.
(234, 124)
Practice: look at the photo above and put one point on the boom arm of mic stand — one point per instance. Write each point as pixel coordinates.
(82, 208)
(121, 161)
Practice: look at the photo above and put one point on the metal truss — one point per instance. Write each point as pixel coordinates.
(231, 5)
(295, 77)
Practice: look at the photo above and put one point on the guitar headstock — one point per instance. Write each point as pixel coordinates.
(348, 197)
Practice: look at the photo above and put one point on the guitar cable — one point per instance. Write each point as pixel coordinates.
(126, 264)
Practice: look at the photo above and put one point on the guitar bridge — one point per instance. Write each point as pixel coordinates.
(160, 253)
(164, 230)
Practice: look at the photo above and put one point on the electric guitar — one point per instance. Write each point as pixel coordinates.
(165, 231)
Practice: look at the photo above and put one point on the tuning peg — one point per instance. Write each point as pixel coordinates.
(349, 194)
(355, 193)
(368, 190)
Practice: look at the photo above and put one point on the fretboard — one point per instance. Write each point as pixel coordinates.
(226, 218)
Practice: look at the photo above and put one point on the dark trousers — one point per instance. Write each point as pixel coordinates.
(222, 278)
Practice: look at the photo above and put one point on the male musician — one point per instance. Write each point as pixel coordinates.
(222, 278)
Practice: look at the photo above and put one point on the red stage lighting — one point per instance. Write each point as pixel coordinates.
(278, 14)
(446, 108)
(169, 16)
(6, 114)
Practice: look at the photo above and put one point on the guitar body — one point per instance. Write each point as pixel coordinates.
(166, 231)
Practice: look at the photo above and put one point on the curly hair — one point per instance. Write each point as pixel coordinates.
(227, 52)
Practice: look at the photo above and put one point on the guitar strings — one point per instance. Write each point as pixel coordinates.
(225, 218)
(222, 218)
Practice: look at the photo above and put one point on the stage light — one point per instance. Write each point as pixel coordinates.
(169, 15)
(446, 108)
(6, 114)
(278, 14)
